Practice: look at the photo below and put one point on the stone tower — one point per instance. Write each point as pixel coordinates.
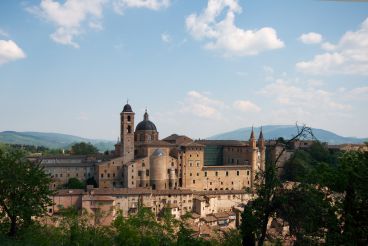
(262, 151)
(127, 134)
(254, 149)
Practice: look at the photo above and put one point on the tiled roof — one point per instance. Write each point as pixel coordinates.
(222, 142)
(219, 192)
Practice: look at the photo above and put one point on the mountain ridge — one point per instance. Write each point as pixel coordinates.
(286, 131)
(51, 140)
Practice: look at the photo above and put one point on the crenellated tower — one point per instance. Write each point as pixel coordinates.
(127, 133)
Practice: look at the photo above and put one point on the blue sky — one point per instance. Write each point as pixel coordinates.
(200, 67)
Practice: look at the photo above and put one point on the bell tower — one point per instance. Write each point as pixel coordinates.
(127, 133)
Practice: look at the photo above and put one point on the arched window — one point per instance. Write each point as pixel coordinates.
(128, 118)
(129, 129)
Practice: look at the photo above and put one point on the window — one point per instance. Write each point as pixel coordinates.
(227, 173)
(108, 175)
(128, 118)
(193, 181)
(237, 173)
(197, 174)
(190, 175)
(205, 174)
(216, 173)
(147, 173)
(248, 173)
(101, 175)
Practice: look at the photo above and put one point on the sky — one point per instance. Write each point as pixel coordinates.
(200, 67)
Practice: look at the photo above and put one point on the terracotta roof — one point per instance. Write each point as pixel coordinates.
(219, 192)
(172, 192)
(121, 191)
(221, 215)
(194, 144)
(222, 142)
(157, 143)
(209, 218)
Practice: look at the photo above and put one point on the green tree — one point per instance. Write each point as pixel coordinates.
(257, 214)
(83, 148)
(24, 190)
(74, 183)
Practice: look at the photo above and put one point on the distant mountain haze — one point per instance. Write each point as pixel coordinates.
(286, 131)
(58, 140)
(51, 140)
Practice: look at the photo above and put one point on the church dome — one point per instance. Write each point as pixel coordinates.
(146, 124)
(127, 108)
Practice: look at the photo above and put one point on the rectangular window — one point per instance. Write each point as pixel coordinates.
(205, 174)
(237, 173)
(193, 181)
(227, 173)
(147, 173)
(101, 175)
(216, 173)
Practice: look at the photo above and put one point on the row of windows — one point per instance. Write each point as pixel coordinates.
(68, 175)
(226, 173)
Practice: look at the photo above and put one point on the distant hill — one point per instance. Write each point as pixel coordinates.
(286, 131)
(51, 140)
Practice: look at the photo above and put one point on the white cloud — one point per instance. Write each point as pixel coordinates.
(303, 98)
(348, 56)
(246, 106)
(200, 105)
(328, 46)
(121, 5)
(225, 36)
(166, 38)
(311, 38)
(10, 51)
(69, 17)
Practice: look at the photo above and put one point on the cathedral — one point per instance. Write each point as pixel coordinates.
(178, 162)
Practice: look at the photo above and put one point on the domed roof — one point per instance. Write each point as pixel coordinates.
(146, 124)
(127, 108)
(158, 152)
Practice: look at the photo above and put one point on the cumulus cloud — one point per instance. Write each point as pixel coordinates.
(201, 105)
(303, 98)
(10, 51)
(166, 38)
(348, 56)
(225, 36)
(311, 38)
(246, 106)
(70, 17)
(121, 5)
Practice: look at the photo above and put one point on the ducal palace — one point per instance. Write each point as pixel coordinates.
(207, 178)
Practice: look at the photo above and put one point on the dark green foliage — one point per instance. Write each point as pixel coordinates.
(91, 181)
(74, 183)
(83, 148)
(24, 190)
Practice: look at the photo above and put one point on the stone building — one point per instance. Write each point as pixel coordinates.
(178, 162)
